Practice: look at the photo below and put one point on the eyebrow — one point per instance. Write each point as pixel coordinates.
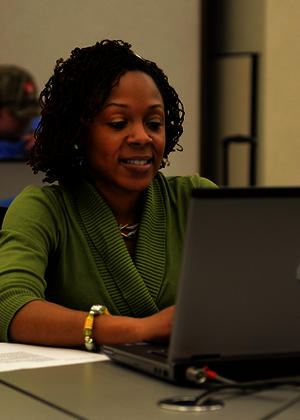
(126, 106)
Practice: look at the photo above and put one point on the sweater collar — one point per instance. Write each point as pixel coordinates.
(139, 282)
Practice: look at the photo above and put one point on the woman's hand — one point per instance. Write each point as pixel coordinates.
(120, 329)
(158, 327)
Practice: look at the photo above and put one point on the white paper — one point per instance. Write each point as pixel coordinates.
(23, 356)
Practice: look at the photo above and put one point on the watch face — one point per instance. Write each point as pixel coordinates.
(96, 309)
(89, 344)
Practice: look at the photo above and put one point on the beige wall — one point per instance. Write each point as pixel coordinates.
(281, 153)
(271, 28)
(240, 25)
(34, 33)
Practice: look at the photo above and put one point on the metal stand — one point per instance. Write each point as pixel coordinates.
(189, 404)
(239, 139)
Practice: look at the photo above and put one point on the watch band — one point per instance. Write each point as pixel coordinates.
(88, 325)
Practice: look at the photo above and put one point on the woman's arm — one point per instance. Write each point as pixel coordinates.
(45, 323)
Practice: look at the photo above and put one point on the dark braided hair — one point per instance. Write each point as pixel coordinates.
(74, 96)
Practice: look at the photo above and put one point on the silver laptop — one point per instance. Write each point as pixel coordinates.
(238, 299)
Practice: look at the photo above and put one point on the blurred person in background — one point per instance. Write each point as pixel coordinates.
(19, 112)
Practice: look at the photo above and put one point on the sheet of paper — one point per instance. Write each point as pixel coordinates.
(23, 356)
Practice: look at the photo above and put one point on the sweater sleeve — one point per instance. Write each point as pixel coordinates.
(28, 236)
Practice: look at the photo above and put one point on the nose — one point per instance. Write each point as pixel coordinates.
(139, 135)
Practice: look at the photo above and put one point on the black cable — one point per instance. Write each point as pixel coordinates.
(247, 386)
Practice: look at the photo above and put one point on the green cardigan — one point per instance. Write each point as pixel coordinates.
(63, 245)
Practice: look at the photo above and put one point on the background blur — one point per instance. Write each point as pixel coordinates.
(183, 37)
(235, 30)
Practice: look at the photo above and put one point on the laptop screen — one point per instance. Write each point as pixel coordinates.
(239, 290)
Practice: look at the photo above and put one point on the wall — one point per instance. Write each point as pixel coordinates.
(34, 33)
(281, 152)
(270, 28)
(238, 25)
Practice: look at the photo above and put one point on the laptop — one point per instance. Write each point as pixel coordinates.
(238, 299)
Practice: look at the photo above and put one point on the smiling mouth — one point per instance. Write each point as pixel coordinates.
(136, 162)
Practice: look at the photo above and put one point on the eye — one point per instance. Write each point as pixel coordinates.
(117, 125)
(154, 125)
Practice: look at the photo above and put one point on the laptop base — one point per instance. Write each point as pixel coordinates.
(240, 369)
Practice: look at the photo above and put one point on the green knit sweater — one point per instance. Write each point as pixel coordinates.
(63, 245)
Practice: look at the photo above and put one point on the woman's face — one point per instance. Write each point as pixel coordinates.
(124, 146)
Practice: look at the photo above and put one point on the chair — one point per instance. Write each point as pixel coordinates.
(5, 202)
(2, 214)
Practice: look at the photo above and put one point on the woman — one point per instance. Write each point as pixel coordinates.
(111, 233)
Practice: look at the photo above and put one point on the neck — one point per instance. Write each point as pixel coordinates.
(126, 208)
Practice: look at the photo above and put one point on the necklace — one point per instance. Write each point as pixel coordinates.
(129, 231)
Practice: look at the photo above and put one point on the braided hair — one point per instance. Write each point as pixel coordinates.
(75, 94)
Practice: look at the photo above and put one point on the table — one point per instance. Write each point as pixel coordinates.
(17, 405)
(109, 391)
